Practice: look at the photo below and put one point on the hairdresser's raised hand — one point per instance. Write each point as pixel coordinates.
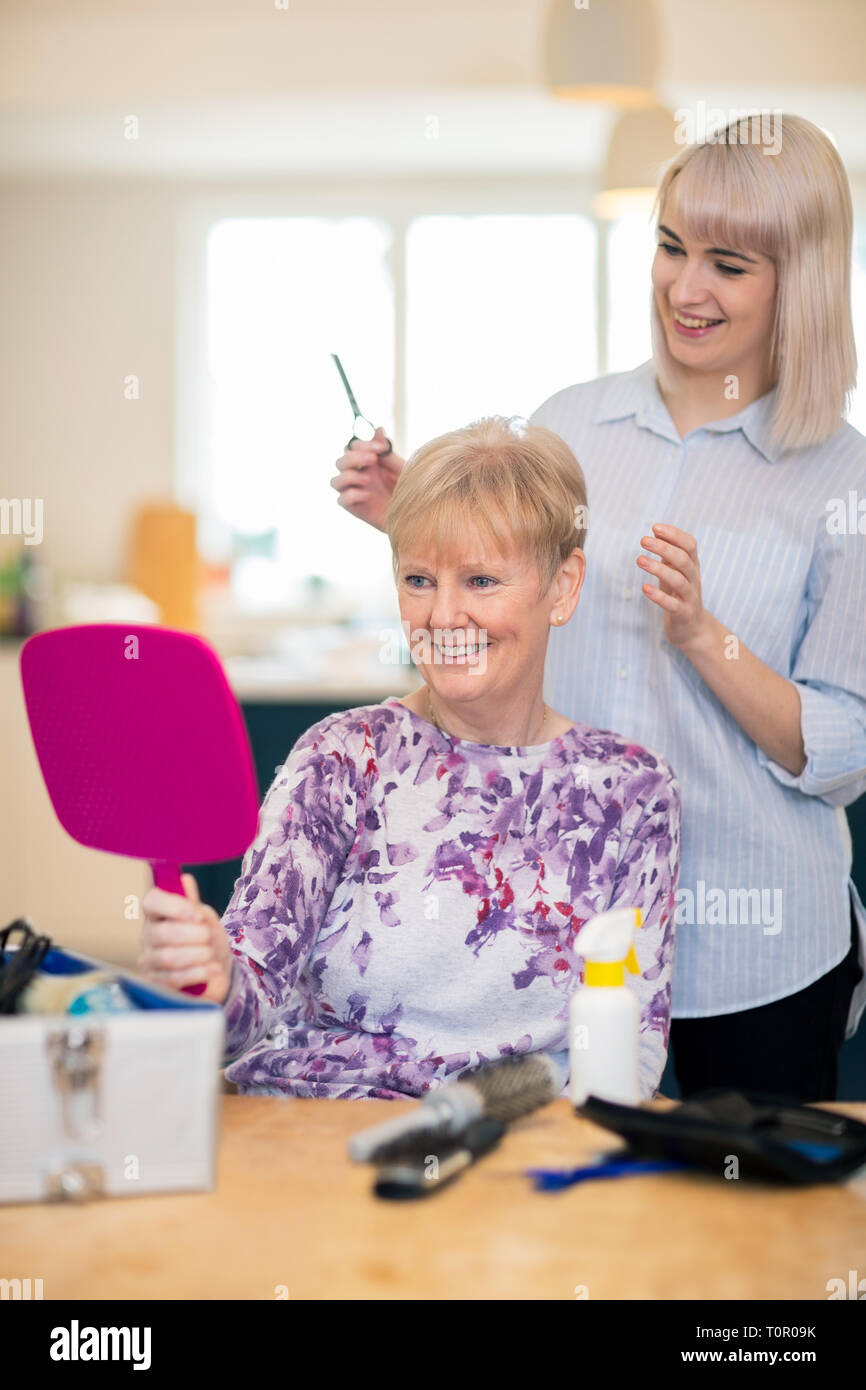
(676, 566)
(183, 942)
(366, 478)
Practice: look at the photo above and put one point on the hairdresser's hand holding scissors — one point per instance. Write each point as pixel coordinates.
(764, 704)
(366, 478)
(368, 469)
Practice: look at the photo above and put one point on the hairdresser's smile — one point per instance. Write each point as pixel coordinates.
(692, 327)
(715, 301)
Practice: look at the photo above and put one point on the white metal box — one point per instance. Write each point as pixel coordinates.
(110, 1104)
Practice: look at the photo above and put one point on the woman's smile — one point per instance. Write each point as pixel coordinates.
(461, 652)
(689, 326)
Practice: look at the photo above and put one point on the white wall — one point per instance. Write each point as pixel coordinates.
(87, 289)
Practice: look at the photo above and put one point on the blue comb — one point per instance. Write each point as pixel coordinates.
(611, 1166)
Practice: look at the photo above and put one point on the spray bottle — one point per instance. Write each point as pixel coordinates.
(604, 1013)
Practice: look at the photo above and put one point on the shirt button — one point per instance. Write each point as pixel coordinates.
(622, 672)
(626, 593)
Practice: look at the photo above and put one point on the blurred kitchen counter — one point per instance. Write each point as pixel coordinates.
(311, 659)
(257, 680)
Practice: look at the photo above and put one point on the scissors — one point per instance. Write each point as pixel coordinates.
(364, 428)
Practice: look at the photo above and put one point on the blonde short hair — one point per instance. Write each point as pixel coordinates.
(794, 205)
(517, 486)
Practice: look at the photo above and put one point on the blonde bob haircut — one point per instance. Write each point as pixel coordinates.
(516, 486)
(793, 204)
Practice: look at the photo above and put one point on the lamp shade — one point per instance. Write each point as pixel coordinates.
(641, 144)
(604, 51)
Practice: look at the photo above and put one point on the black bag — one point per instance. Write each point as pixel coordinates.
(771, 1137)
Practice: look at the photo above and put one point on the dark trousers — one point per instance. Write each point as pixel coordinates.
(789, 1048)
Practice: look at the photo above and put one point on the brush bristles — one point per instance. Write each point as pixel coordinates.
(514, 1086)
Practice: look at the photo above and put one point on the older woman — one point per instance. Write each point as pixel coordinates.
(412, 904)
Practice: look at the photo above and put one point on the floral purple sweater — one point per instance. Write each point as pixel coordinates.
(412, 903)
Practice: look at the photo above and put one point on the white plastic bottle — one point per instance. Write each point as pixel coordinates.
(604, 1013)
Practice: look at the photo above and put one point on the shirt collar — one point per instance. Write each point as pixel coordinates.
(636, 394)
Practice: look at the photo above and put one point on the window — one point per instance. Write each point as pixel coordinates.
(282, 295)
(496, 313)
(500, 314)
(630, 251)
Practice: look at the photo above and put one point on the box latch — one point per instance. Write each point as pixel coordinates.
(76, 1055)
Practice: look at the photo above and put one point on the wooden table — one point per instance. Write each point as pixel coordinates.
(291, 1212)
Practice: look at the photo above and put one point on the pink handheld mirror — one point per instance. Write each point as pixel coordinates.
(142, 745)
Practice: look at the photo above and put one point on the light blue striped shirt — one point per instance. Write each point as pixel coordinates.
(763, 901)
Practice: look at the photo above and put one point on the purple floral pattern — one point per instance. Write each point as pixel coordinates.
(412, 903)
